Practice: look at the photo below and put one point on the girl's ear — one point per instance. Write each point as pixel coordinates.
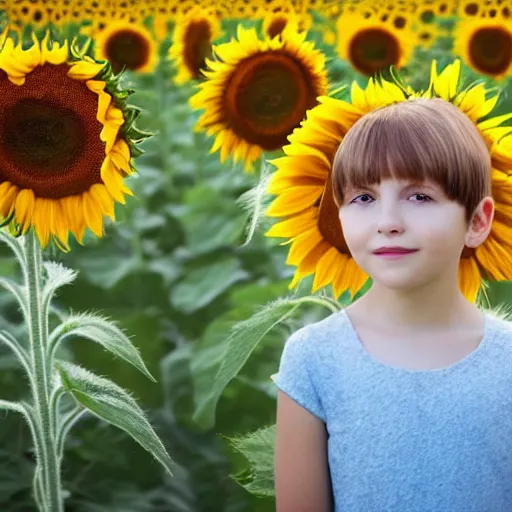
(481, 223)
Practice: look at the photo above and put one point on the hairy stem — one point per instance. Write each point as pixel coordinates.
(49, 461)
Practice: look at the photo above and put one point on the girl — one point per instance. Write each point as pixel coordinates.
(402, 401)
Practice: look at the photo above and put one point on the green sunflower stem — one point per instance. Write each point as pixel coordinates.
(48, 485)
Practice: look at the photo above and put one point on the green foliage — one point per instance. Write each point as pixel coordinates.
(102, 331)
(114, 405)
(241, 342)
(258, 448)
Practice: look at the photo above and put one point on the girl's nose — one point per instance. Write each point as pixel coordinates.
(390, 220)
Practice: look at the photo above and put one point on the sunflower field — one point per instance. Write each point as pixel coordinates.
(168, 221)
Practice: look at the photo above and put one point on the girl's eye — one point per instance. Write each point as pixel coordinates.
(364, 198)
(423, 198)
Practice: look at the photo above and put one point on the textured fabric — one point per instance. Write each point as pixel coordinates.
(404, 440)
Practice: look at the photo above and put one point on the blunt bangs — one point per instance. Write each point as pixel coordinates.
(416, 140)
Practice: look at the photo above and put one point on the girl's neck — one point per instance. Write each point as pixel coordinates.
(436, 307)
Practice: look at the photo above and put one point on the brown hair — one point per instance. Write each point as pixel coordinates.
(416, 140)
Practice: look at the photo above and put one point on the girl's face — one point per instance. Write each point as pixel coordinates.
(401, 213)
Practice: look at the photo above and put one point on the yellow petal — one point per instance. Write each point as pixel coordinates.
(58, 223)
(24, 208)
(469, 278)
(103, 199)
(294, 200)
(8, 199)
(92, 214)
(112, 180)
(325, 269)
(83, 70)
(294, 226)
(42, 216)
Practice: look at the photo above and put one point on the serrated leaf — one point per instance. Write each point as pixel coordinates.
(243, 339)
(104, 332)
(258, 448)
(57, 275)
(253, 202)
(16, 290)
(115, 405)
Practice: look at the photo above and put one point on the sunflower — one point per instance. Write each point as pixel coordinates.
(427, 35)
(373, 40)
(488, 8)
(305, 204)
(25, 12)
(192, 42)
(65, 141)
(127, 45)
(275, 22)
(258, 92)
(485, 45)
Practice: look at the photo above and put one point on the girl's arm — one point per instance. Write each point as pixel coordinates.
(302, 478)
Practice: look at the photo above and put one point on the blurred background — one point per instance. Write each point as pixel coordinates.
(175, 270)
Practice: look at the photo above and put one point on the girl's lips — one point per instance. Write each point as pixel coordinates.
(393, 255)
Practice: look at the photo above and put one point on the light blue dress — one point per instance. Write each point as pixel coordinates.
(404, 440)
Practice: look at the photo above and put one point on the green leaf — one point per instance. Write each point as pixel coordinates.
(115, 405)
(103, 331)
(201, 286)
(259, 448)
(13, 244)
(104, 268)
(16, 290)
(205, 231)
(242, 340)
(57, 275)
(253, 202)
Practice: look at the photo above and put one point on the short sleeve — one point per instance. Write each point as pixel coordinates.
(296, 367)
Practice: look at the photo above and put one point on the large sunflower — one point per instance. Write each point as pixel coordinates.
(193, 35)
(258, 92)
(372, 40)
(65, 141)
(305, 203)
(485, 45)
(127, 46)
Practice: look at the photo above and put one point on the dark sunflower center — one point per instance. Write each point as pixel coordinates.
(198, 46)
(373, 50)
(328, 220)
(267, 97)
(40, 134)
(490, 50)
(49, 135)
(127, 49)
(276, 27)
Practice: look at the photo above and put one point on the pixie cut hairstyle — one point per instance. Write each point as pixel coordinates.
(417, 140)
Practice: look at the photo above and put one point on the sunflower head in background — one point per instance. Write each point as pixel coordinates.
(126, 45)
(373, 38)
(258, 92)
(485, 9)
(427, 17)
(67, 139)
(274, 23)
(25, 13)
(193, 36)
(484, 39)
(305, 206)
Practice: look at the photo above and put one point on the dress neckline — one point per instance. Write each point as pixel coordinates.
(468, 359)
